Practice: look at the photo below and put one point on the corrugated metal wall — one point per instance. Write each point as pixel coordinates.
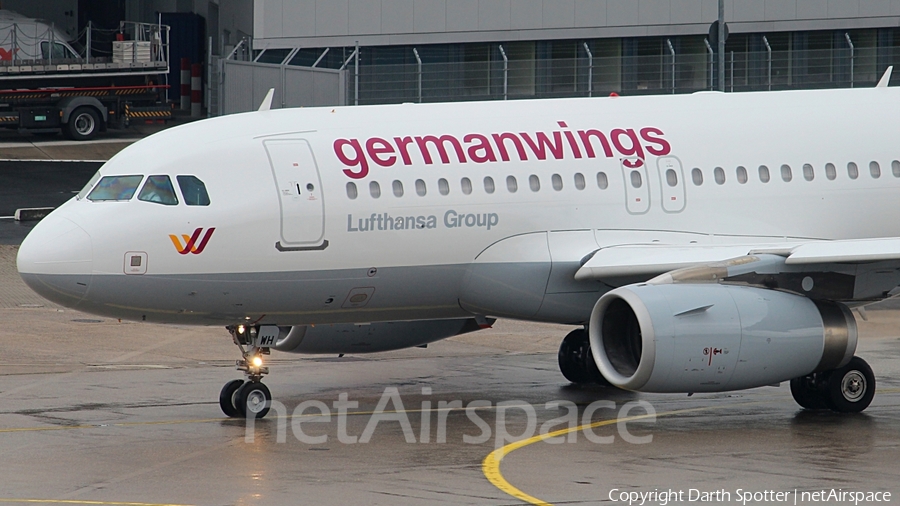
(244, 85)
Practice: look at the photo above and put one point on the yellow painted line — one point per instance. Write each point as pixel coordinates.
(72, 501)
(491, 464)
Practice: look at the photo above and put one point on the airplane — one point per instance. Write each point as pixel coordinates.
(699, 243)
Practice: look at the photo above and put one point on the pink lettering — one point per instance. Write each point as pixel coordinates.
(439, 143)
(358, 158)
(634, 149)
(402, 143)
(649, 134)
(543, 144)
(377, 146)
(501, 147)
(356, 155)
(483, 145)
(589, 148)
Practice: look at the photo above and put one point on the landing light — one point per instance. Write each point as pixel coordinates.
(257, 361)
(240, 329)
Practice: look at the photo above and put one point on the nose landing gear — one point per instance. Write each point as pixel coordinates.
(250, 397)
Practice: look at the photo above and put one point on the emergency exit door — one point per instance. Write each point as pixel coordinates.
(637, 187)
(299, 190)
(671, 177)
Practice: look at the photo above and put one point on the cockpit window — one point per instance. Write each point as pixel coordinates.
(193, 190)
(158, 189)
(90, 184)
(115, 188)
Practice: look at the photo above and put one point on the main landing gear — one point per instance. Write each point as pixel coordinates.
(848, 389)
(576, 361)
(250, 397)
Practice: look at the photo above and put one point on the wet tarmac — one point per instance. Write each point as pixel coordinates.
(115, 412)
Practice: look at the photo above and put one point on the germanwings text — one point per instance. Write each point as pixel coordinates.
(358, 155)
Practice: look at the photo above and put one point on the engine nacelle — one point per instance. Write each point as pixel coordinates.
(369, 338)
(713, 337)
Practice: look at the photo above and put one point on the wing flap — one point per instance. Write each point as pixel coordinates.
(846, 251)
(650, 260)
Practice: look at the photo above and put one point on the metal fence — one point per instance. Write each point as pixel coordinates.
(244, 84)
(636, 75)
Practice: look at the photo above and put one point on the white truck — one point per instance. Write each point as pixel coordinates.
(48, 83)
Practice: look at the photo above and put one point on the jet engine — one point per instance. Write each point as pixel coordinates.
(708, 337)
(370, 337)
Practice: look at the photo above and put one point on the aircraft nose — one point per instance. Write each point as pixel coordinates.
(56, 260)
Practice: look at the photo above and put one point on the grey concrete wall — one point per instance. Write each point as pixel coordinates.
(245, 84)
(321, 23)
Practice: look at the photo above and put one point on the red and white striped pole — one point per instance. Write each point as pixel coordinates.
(196, 91)
(185, 84)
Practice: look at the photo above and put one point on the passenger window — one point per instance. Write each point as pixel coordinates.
(534, 183)
(895, 168)
(465, 185)
(636, 179)
(115, 188)
(420, 187)
(808, 172)
(602, 180)
(489, 184)
(719, 175)
(352, 192)
(852, 170)
(875, 170)
(193, 190)
(741, 174)
(374, 189)
(96, 177)
(697, 177)
(443, 186)
(671, 177)
(159, 190)
(557, 182)
(830, 171)
(763, 174)
(786, 174)
(397, 187)
(511, 184)
(579, 181)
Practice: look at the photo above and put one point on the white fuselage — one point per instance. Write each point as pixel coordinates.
(311, 227)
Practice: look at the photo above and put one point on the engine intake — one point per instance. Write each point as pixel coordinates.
(713, 337)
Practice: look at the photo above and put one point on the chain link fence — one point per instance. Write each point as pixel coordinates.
(638, 75)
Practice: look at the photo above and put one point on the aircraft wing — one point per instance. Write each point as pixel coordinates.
(848, 270)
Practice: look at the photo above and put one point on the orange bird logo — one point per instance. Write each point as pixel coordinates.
(190, 242)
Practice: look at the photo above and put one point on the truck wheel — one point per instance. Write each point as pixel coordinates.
(83, 124)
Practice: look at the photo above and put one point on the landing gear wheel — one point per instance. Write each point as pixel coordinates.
(576, 361)
(851, 388)
(806, 392)
(253, 399)
(228, 398)
(84, 122)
